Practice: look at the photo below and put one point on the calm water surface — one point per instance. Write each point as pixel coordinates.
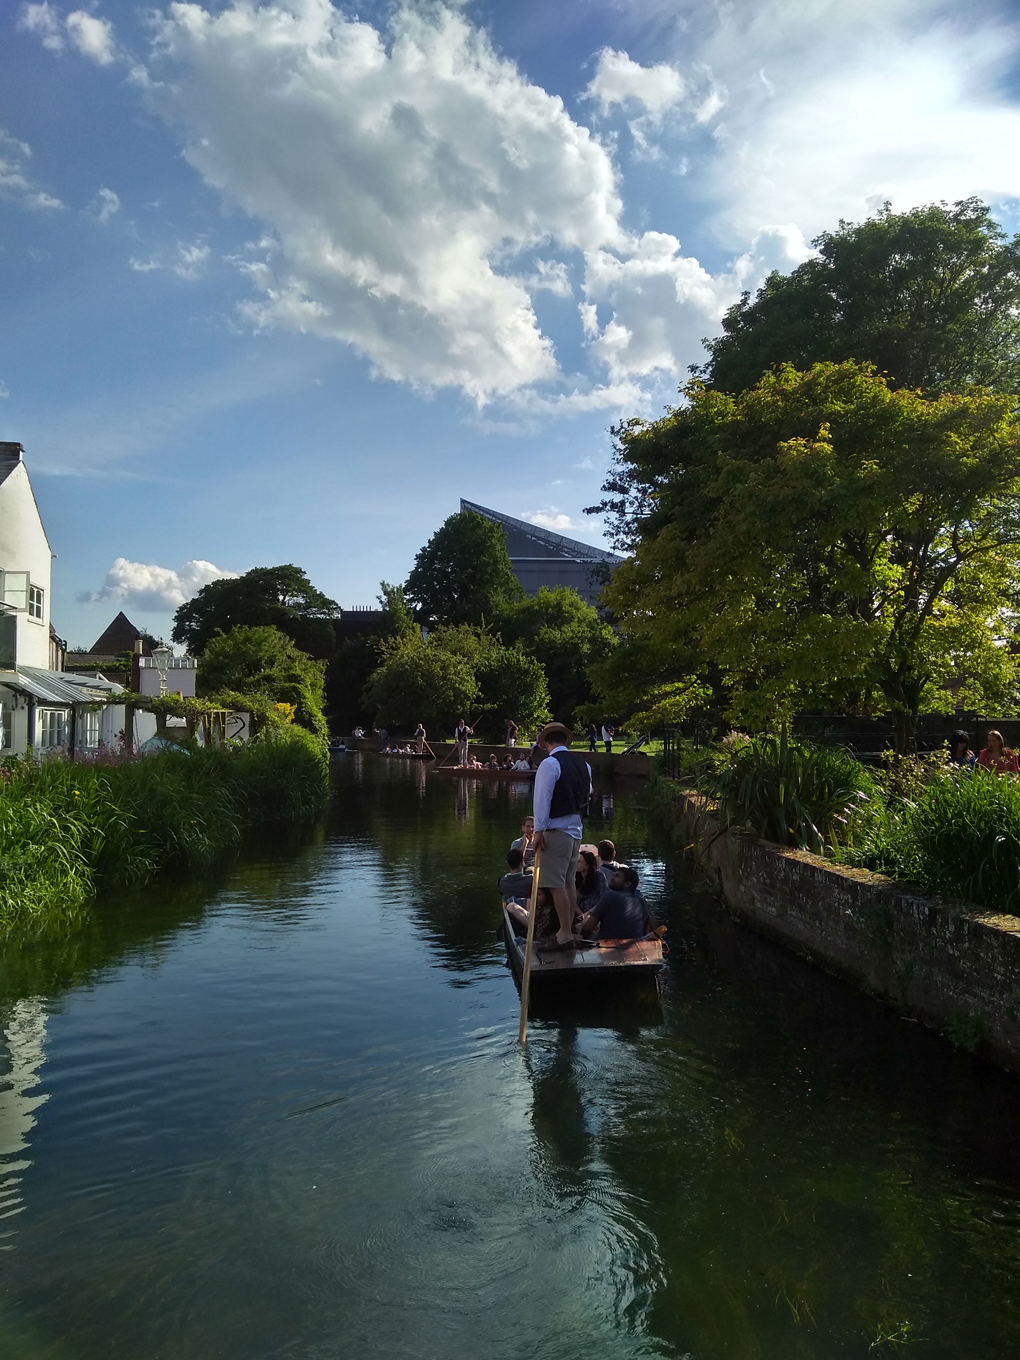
(284, 1114)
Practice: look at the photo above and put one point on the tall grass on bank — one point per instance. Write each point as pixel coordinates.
(792, 793)
(68, 829)
(958, 835)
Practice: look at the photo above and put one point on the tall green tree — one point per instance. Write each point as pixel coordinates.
(264, 661)
(463, 573)
(821, 540)
(566, 636)
(930, 296)
(455, 672)
(277, 597)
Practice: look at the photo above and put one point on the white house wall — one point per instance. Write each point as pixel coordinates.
(24, 547)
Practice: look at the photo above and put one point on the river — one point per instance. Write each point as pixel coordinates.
(282, 1113)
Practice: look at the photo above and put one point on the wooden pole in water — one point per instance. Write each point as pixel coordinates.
(522, 1033)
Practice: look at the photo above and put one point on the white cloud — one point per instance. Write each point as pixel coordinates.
(44, 20)
(557, 521)
(833, 107)
(14, 180)
(5, 391)
(92, 36)
(620, 80)
(144, 586)
(187, 263)
(400, 180)
(104, 206)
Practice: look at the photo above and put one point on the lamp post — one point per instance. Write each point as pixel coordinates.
(161, 656)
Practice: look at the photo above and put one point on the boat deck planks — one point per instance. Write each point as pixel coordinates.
(599, 962)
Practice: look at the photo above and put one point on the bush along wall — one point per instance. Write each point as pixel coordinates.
(68, 829)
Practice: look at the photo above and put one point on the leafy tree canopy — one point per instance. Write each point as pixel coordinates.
(263, 661)
(566, 636)
(457, 672)
(929, 296)
(280, 597)
(821, 540)
(463, 573)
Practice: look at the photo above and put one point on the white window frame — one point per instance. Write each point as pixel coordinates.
(36, 603)
(50, 723)
(90, 729)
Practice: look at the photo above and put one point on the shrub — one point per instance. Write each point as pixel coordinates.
(792, 793)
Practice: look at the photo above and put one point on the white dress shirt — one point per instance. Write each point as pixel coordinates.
(545, 779)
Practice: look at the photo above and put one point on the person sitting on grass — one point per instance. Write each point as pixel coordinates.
(997, 756)
(621, 913)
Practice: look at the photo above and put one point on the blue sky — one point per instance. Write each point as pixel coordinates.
(283, 281)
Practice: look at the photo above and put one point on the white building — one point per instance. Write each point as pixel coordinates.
(42, 708)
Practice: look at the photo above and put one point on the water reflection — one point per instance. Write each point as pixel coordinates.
(24, 1035)
(288, 1117)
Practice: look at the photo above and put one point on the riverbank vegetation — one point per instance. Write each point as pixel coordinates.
(953, 831)
(68, 830)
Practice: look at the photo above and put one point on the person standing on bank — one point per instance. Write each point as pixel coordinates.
(562, 793)
(608, 733)
(511, 733)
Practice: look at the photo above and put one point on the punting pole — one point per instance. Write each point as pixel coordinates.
(522, 1033)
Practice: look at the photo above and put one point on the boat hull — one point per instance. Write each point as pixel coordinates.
(604, 963)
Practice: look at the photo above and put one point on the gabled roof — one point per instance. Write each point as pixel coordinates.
(121, 636)
(524, 540)
(10, 457)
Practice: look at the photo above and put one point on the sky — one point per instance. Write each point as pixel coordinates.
(283, 281)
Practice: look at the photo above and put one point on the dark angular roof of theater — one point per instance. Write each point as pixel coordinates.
(530, 540)
(10, 457)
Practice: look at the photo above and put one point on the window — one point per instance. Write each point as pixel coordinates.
(52, 728)
(35, 602)
(90, 729)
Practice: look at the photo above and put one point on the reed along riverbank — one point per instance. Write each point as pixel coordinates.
(68, 830)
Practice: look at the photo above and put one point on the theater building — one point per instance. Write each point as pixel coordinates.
(541, 557)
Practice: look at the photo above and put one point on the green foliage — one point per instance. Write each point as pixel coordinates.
(791, 793)
(566, 636)
(263, 662)
(929, 296)
(456, 672)
(68, 829)
(965, 830)
(278, 597)
(818, 541)
(416, 681)
(463, 574)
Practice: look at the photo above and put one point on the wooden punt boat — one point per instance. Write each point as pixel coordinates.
(603, 961)
(407, 755)
(466, 773)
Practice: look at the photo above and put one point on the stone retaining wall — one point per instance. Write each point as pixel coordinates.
(945, 962)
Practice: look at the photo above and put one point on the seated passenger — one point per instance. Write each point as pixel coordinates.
(508, 763)
(621, 913)
(522, 764)
(526, 841)
(607, 862)
(492, 763)
(515, 886)
(588, 881)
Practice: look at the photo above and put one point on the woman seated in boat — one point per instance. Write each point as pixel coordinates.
(508, 762)
(515, 888)
(588, 880)
(492, 763)
(621, 913)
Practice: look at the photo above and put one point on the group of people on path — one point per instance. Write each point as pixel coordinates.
(582, 890)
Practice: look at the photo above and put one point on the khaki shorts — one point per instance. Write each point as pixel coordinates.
(559, 860)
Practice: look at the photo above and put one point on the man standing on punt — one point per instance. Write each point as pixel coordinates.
(562, 793)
